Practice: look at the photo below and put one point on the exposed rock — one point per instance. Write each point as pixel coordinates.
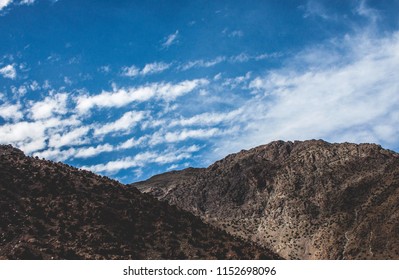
(304, 200)
(53, 211)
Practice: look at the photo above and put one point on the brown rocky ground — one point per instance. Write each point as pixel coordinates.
(304, 200)
(53, 211)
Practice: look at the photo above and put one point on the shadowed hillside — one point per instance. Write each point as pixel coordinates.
(53, 211)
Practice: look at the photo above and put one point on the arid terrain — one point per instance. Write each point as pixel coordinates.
(54, 211)
(304, 200)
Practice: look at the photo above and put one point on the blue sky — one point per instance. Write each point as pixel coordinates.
(130, 89)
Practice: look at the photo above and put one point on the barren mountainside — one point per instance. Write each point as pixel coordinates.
(304, 200)
(53, 211)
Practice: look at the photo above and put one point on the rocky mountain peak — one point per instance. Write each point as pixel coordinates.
(304, 199)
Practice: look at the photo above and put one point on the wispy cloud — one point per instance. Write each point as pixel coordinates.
(27, 2)
(315, 8)
(202, 63)
(81, 152)
(124, 96)
(142, 159)
(233, 33)
(150, 68)
(356, 100)
(138, 160)
(104, 69)
(125, 123)
(8, 71)
(171, 39)
(206, 119)
(364, 10)
(155, 67)
(93, 151)
(131, 71)
(236, 33)
(185, 134)
(132, 142)
(240, 58)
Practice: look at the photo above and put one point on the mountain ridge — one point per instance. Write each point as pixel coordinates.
(303, 199)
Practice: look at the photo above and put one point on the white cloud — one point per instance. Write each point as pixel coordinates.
(31, 136)
(20, 91)
(104, 69)
(155, 67)
(232, 34)
(4, 3)
(132, 142)
(27, 2)
(140, 160)
(242, 57)
(56, 154)
(353, 99)
(34, 86)
(171, 39)
(170, 92)
(178, 136)
(150, 68)
(11, 112)
(122, 97)
(49, 107)
(83, 152)
(131, 71)
(67, 81)
(74, 137)
(202, 63)
(8, 71)
(235, 82)
(125, 123)
(125, 163)
(93, 151)
(207, 119)
(46, 84)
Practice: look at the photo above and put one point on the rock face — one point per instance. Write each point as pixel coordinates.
(53, 211)
(304, 200)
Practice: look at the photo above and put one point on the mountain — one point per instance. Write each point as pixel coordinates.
(54, 211)
(304, 200)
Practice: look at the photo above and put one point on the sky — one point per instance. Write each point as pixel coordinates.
(130, 89)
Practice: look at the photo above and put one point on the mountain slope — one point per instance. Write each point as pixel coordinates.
(304, 200)
(53, 211)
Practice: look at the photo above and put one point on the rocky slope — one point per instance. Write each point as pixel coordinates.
(304, 200)
(53, 211)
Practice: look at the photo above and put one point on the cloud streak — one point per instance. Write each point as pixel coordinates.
(124, 96)
(150, 68)
(171, 40)
(142, 159)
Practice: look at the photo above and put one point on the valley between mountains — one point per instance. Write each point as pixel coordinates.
(292, 200)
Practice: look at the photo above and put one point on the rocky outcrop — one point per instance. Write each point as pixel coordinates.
(54, 211)
(304, 200)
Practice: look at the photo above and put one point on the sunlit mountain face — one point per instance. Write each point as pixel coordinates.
(130, 89)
